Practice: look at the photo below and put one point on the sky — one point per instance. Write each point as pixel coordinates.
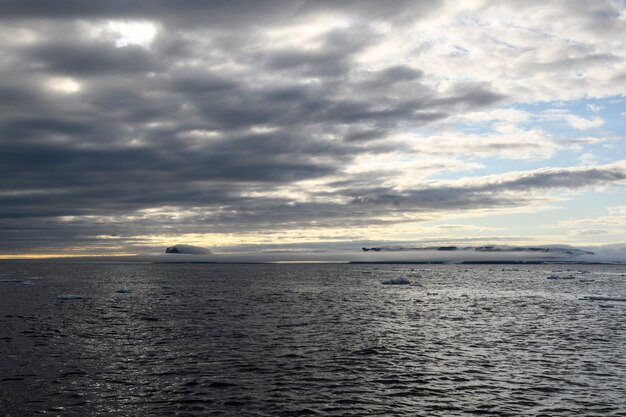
(269, 126)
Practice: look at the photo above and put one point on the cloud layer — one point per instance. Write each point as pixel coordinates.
(126, 124)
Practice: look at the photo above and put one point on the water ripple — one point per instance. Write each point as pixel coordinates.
(311, 340)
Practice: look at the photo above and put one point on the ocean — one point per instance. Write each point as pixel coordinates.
(312, 339)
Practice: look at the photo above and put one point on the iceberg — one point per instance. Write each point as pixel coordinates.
(188, 249)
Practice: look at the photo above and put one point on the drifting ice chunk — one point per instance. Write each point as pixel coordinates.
(70, 297)
(397, 281)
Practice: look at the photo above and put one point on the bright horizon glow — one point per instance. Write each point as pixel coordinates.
(60, 255)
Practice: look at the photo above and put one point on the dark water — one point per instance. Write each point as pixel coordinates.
(274, 340)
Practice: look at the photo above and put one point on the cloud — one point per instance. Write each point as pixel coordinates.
(587, 232)
(594, 108)
(511, 144)
(574, 121)
(122, 120)
(614, 221)
(220, 212)
(85, 59)
(223, 15)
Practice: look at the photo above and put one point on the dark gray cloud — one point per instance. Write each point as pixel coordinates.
(219, 13)
(198, 208)
(91, 58)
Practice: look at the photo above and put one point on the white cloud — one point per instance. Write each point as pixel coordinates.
(131, 32)
(594, 108)
(404, 170)
(528, 51)
(617, 210)
(615, 221)
(590, 232)
(581, 123)
(587, 159)
(508, 142)
(574, 121)
(501, 115)
(200, 134)
(121, 32)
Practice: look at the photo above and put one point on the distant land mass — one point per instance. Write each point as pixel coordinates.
(383, 254)
(491, 248)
